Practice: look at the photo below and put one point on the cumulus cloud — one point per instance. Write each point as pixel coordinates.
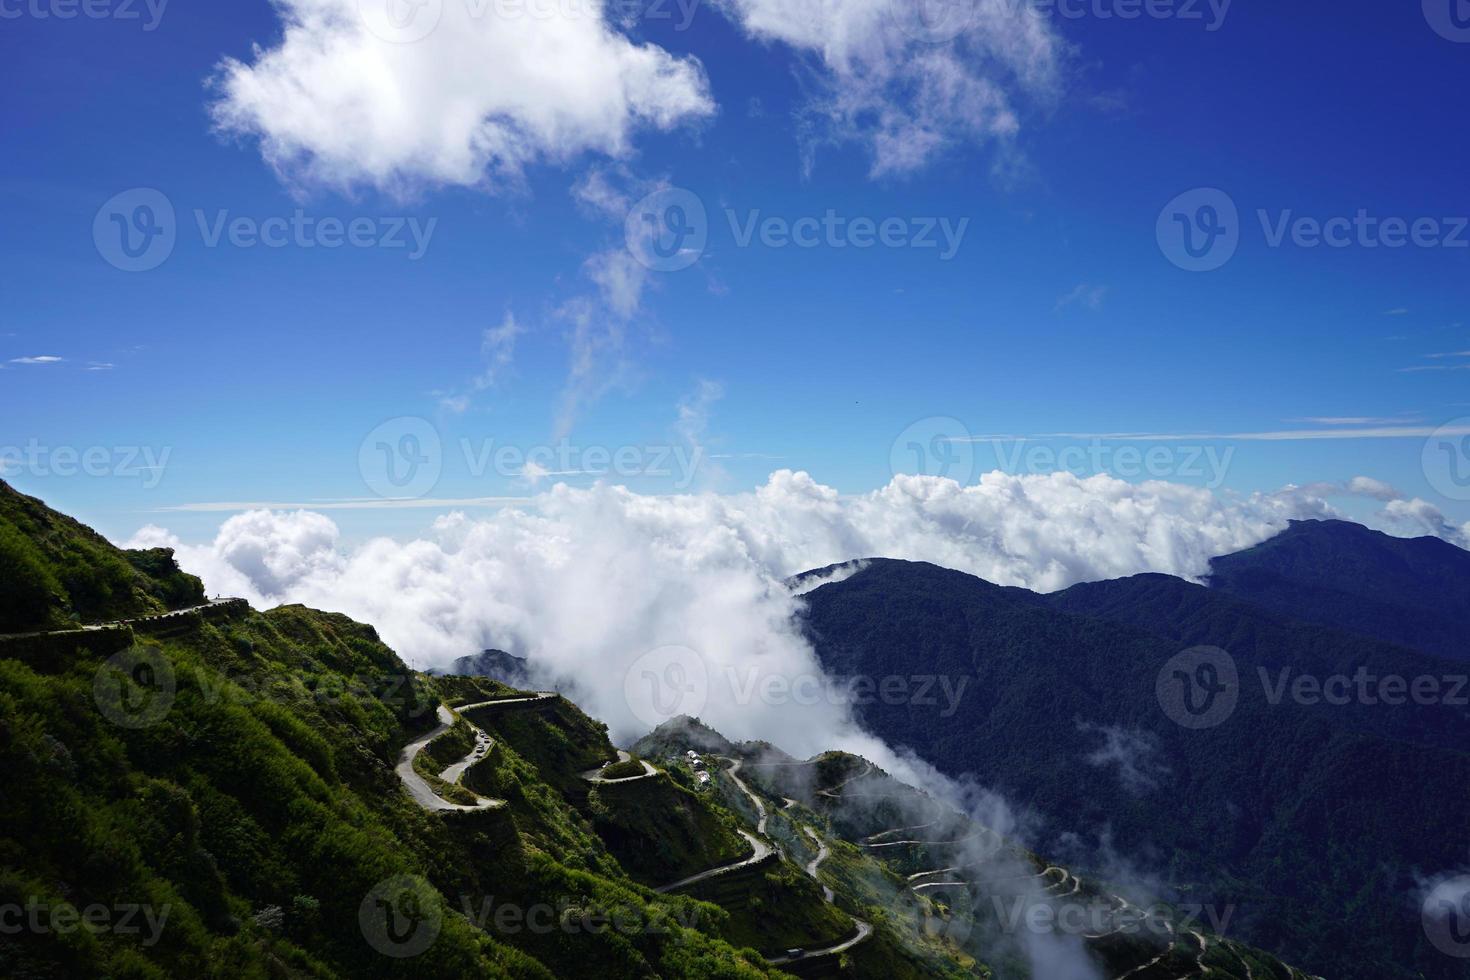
(345, 101)
(909, 79)
(1420, 517)
(1366, 486)
(585, 581)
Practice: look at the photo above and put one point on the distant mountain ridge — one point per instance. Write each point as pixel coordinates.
(1409, 591)
(1064, 716)
(497, 665)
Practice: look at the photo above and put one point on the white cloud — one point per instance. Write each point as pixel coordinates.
(1288, 435)
(909, 87)
(1420, 517)
(474, 102)
(497, 351)
(1366, 486)
(1355, 420)
(585, 580)
(1085, 295)
(41, 359)
(692, 426)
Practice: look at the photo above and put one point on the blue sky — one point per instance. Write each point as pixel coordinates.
(261, 371)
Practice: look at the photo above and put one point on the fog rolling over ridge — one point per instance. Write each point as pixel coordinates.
(641, 608)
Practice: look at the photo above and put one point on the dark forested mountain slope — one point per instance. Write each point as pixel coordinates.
(1313, 820)
(1414, 592)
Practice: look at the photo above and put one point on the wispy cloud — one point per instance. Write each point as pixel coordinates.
(1401, 311)
(361, 503)
(1084, 295)
(766, 456)
(39, 359)
(1355, 420)
(1290, 435)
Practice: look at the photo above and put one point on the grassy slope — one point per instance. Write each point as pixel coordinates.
(275, 790)
(55, 571)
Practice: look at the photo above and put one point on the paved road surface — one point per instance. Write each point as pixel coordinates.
(762, 850)
(92, 627)
(595, 775)
(419, 788)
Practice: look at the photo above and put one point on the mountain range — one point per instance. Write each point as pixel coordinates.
(1316, 806)
(275, 794)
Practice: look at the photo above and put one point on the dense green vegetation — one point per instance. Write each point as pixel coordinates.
(661, 831)
(55, 571)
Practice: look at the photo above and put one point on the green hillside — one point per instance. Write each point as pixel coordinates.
(56, 572)
(238, 793)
